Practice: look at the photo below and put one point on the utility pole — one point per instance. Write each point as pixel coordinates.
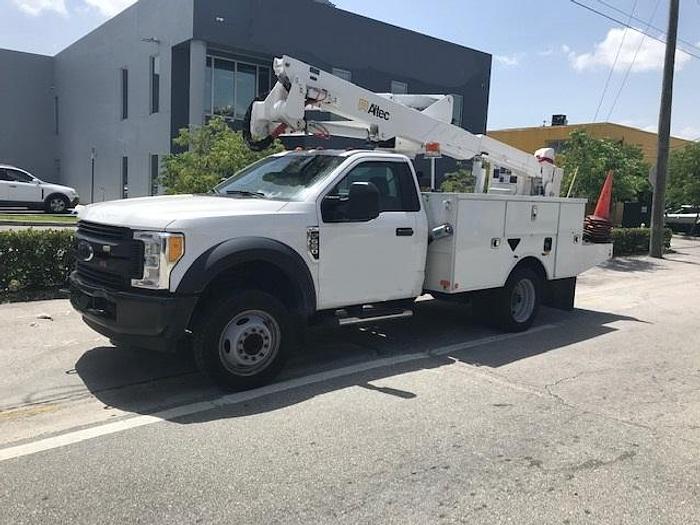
(656, 244)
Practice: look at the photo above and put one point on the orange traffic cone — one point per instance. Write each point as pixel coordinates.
(597, 227)
(602, 209)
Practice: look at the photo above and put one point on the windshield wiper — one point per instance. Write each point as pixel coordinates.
(256, 194)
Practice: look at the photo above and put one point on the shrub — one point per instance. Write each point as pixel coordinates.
(35, 259)
(635, 241)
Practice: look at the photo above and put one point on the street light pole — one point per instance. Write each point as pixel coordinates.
(656, 244)
(92, 175)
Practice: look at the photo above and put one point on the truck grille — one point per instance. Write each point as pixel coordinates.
(103, 231)
(108, 256)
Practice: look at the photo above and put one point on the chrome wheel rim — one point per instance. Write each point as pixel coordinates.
(522, 300)
(57, 205)
(249, 343)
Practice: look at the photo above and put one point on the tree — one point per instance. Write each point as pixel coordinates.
(460, 181)
(591, 158)
(684, 176)
(210, 153)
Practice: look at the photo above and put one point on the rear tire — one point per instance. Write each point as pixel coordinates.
(515, 306)
(56, 204)
(242, 341)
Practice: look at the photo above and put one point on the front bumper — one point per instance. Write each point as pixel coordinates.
(155, 322)
(74, 202)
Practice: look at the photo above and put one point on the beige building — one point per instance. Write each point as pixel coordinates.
(531, 139)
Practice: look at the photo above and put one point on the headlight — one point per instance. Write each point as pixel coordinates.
(161, 253)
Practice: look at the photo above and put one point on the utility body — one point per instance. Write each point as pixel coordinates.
(346, 237)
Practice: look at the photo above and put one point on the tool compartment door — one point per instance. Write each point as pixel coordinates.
(531, 231)
(481, 259)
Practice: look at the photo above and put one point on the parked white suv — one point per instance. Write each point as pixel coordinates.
(22, 189)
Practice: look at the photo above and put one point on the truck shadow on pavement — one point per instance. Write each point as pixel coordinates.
(146, 383)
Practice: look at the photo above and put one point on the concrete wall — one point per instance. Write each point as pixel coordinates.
(88, 82)
(374, 52)
(27, 113)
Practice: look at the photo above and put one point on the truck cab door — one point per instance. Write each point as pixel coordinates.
(375, 260)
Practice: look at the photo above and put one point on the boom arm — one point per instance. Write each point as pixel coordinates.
(414, 122)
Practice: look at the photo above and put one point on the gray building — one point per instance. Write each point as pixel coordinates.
(115, 98)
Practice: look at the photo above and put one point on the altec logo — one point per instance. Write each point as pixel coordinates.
(373, 109)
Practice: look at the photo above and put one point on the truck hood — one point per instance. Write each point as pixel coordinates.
(156, 213)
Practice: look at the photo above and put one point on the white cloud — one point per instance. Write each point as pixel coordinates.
(649, 58)
(36, 7)
(508, 60)
(110, 7)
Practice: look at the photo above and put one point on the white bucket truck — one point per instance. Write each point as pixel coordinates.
(346, 236)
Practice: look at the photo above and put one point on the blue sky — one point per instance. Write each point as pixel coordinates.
(550, 56)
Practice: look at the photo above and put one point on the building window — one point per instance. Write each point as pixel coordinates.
(208, 86)
(246, 88)
(457, 109)
(342, 73)
(125, 177)
(125, 93)
(55, 114)
(155, 84)
(231, 86)
(154, 172)
(399, 88)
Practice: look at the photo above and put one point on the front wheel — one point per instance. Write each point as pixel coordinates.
(242, 341)
(56, 204)
(517, 303)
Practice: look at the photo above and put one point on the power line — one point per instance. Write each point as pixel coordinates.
(612, 68)
(618, 21)
(631, 64)
(632, 17)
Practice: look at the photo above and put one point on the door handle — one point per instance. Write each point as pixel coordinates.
(404, 232)
(13, 185)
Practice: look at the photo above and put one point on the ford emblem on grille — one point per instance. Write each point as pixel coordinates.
(85, 252)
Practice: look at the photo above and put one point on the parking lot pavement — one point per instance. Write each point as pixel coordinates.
(593, 416)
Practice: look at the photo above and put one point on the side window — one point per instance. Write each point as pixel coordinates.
(19, 176)
(4, 175)
(393, 180)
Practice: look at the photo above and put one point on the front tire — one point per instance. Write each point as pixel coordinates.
(243, 340)
(516, 304)
(56, 204)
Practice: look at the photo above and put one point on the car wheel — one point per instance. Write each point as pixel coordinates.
(242, 341)
(516, 304)
(56, 204)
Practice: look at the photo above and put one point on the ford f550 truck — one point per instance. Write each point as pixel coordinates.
(346, 236)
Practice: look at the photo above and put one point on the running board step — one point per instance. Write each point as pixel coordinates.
(399, 314)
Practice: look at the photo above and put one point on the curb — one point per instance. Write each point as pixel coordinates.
(41, 224)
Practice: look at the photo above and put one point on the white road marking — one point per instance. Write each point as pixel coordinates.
(77, 436)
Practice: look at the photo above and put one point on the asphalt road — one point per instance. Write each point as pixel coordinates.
(591, 417)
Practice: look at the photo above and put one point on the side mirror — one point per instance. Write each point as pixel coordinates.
(363, 202)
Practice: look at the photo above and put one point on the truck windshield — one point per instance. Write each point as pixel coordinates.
(280, 178)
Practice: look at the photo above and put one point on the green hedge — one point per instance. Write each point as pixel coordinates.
(35, 259)
(635, 241)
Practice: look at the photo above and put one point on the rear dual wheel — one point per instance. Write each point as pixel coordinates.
(514, 307)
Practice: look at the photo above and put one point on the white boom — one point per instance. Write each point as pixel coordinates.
(416, 123)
